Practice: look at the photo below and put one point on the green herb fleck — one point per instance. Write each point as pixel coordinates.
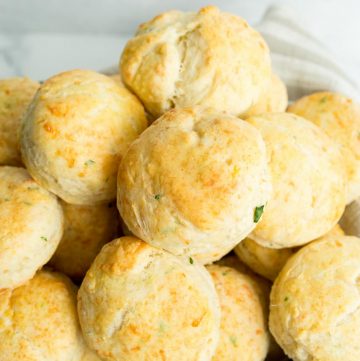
(89, 162)
(27, 203)
(323, 100)
(191, 260)
(162, 327)
(157, 196)
(258, 213)
(225, 273)
(286, 299)
(44, 238)
(233, 340)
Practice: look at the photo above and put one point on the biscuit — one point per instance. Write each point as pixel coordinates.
(118, 80)
(15, 96)
(209, 58)
(268, 262)
(273, 100)
(138, 302)
(243, 330)
(31, 226)
(264, 261)
(39, 322)
(262, 287)
(86, 230)
(315, 302)
(195, 182)
(309, 181)
(339, 117)
(75, 132)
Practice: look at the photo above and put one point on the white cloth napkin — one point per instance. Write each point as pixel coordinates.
(301, 61)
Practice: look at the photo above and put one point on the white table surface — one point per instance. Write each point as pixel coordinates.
(39, 38)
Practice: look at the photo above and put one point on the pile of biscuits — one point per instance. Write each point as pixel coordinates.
(195, 210)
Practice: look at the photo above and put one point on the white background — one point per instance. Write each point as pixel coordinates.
(41, 37)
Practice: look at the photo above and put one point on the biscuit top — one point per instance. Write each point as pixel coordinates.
(31, 226)
(75, 132)
(339, 117)
(194, 172)
(243, 333)
(309, 181)
(209, 58)
(15, 96)
(141, 303)
(38, 321)
(315, 302)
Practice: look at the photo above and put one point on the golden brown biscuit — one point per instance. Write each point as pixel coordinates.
(77, 128)
(15, 96)
(195, 182)
(262, 287)
(268, 262)
(243, 330)
(264, 261)
(274, 99)
(314, 311)
(118, 80)
(86, 230)
(39, 322)
(309, 181)
(209, 58)
(31, 226)
(138, 302)
(339, 117)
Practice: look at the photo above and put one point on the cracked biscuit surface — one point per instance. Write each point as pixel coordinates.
(75, 133)
(315, 302)
(138, 302)
(208, 58)
(192, 182)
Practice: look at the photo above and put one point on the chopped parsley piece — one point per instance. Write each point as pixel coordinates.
(44, 238)
(157, 197)
(258, 213)
(89, 162)
(233, 340)
(323, 100)
(162, 327)
(286, 299)
(191, 260)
